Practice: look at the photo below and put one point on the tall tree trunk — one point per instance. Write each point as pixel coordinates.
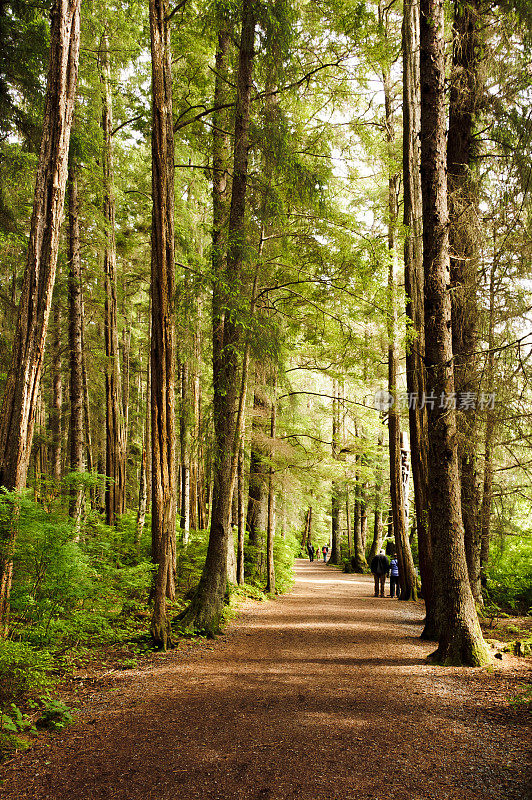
(75, 347)
(57, 398)
(489, 435)
(335, 555)
(414, 287)
(377, 517)
(205, 611)
(363, 518)
(270, 532)
(257, 511)
(115, 492)
(145, 472)
(22, 386)
(460, 638)
(407, 574)
(464, 98)
(348, 525)
(241, 518)
(40, 449)
(305, 539)
(360, 564)
(125, 354)
(195, 491)
(86, 398)
(184, 441)
(162, 322)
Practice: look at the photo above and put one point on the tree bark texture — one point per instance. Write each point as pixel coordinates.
(257, 511)
(22, 386)
(75, 345)
(270, 532)
(241, 518)
(489, 436)
(145, 472)
(335, 554)
(162, 321)
(205, 611)
(413, 257)
(407, 575)
(360, 563)
(465, 93)
(377, 517)
(184, 441)
(348, 524)
(115, 490)
(57, 398)
(460, 639)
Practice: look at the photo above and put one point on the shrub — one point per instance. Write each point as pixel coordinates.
(509, 579)
(24, 672)
(284, 553)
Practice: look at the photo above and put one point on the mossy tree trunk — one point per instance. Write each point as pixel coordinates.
(459, 636)
(414, 287)
(205, 610)
(407, 575)
(465, 96)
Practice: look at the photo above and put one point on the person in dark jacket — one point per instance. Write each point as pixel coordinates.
(380, 566)
(311, 551)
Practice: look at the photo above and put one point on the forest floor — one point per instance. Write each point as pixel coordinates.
(322, 694)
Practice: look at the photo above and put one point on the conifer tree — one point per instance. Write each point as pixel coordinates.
(17, 416)
(459, 636)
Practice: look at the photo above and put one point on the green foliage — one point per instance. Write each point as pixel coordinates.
(284, 553)
(509, 580)
(55, 714)
(68, 592)
(16, 721)
(9, 743)
(524, 698)
(190, 559)
(24, 672)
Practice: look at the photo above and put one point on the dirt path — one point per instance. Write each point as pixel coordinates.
(323, 694)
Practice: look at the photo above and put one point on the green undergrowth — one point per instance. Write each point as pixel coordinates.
(509, 580)
(27, 702)
(524, 698)
(82, 597)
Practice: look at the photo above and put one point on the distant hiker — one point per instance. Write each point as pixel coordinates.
(395, 589)
(380, 567)
(311, 551)
(325, 550)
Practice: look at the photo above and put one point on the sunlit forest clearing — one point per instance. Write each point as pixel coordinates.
(265, 295)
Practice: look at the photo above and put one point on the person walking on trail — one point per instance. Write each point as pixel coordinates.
(380, 566)
(395, 589)
(310, 550)
(325, 550)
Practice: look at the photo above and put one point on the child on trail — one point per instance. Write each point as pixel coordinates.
(395, 589)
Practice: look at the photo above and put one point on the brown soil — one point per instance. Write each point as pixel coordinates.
(323, 694)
